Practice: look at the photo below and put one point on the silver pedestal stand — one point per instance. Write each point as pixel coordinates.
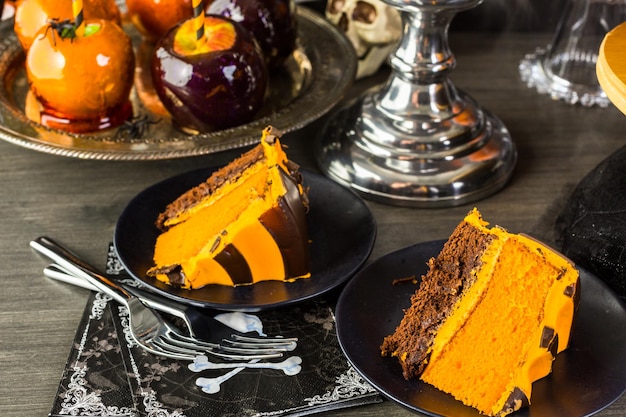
(418, 141)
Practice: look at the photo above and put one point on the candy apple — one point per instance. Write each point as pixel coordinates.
(272, 22)
(82, 76)
(32, 15)
(144, 87)
(212, 84)
(7, 9)
(155, 17)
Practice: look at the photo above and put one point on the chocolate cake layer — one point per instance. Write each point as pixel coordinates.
(449, 274)
(194, 195)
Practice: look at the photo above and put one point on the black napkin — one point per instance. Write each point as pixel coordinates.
(108, 375)
(591, 229)
(95, 380)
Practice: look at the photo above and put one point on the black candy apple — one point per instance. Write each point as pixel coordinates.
(272, 22)
(213, 84)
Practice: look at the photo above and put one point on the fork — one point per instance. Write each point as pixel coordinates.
(58, 273)
(199, 324)
(147, 328)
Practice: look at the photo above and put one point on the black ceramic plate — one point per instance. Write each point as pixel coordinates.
(341, 228)
(586, 378)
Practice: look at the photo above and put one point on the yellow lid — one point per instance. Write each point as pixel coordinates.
(611, 66)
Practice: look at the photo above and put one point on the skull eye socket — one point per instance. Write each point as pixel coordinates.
(335, 6)
(343, 23)
(364, 13)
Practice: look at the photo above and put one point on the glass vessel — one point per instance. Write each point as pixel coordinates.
(565, 69)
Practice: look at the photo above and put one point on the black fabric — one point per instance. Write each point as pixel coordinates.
(591, 229)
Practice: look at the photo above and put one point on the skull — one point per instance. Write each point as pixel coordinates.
(372, 27)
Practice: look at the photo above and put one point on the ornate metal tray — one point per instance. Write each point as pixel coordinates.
(312, 81)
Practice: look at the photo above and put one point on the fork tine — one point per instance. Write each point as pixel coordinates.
(232, 356)
(156, 349)
(241, 346)
(284, 345)
(182, 339)
(225, 352)
(278, 340)
(174, 346)
(265, 353)
(166, 350)
(169, 347)
(258, 344)
(166, 344)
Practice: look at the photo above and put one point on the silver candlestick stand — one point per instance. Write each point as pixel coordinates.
(418, 141)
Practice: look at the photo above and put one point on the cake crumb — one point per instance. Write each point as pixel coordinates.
(412, 279)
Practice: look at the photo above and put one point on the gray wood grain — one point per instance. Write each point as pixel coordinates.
(77, 202)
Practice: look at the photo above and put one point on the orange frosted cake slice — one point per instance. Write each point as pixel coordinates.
(244, 224)
(489, 317)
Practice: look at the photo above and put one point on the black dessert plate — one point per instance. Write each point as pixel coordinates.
(342, 231)
(586, 378)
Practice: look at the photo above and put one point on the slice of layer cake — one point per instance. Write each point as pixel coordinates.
(488, 318)
(244, 224)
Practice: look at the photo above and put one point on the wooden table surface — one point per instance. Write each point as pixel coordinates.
(78, 202)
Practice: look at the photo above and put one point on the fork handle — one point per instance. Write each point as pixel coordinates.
(55, 271)
(56, 253)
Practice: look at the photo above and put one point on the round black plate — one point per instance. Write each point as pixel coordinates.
(586, 378)
(341, 228)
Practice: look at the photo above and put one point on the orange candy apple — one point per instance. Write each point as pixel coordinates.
(32, 15)
(155, 17)
(83, 80)
(212, 84)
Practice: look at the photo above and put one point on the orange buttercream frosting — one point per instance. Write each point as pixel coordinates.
(244, 225)
(504, 329)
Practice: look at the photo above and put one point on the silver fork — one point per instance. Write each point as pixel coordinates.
(58, 273)
(199, 325)
(147, 328)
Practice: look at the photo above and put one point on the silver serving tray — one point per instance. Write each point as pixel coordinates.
(312, 81)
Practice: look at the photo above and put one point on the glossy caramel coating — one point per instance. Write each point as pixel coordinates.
(85, 78)
(273, 24)
(153, 18)
(210, 85)
(32, 15)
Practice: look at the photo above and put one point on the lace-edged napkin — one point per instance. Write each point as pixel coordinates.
(108, 375)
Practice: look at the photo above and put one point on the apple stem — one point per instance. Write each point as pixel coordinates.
(198, 21)
(77, 9)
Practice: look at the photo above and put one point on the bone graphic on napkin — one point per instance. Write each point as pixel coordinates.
(243, 323)
(290, 366)
(213, 385)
